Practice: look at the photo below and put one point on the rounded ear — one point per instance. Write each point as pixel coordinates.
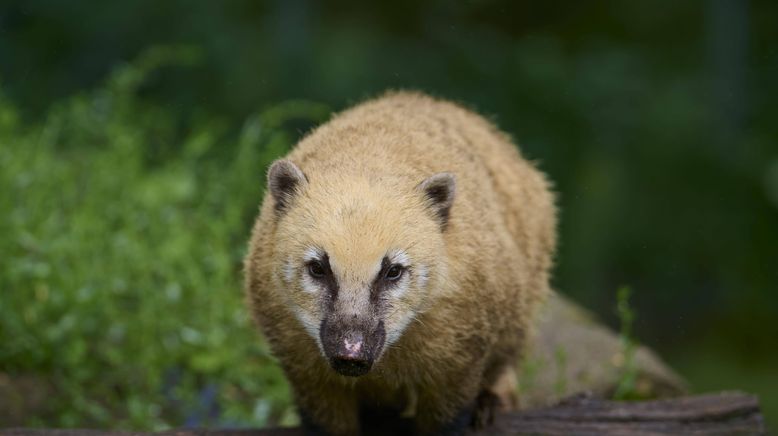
(283, 180)
(439, 191)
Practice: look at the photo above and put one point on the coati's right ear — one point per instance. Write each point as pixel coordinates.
(283, 180)
(439, 191)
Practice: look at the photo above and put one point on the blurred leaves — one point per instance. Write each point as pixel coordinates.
(117, 270)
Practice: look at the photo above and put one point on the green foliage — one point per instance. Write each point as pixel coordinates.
(560, 381)
(121, 236)
(626, 387)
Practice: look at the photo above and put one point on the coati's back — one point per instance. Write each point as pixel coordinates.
(407, 243)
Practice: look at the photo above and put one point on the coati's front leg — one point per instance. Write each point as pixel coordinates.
(441, 416)
(446, 407)
(497, 396)
(328, 409)
(470, 403)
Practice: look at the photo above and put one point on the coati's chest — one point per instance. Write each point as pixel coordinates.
(387, 397)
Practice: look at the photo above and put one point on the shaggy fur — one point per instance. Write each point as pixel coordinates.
(457, 322)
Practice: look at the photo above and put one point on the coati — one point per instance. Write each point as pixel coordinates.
(399, 255)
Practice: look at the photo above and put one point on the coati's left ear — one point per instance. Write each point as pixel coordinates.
(439, 191)
(284, 178)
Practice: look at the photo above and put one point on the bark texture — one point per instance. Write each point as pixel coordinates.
(727, 413)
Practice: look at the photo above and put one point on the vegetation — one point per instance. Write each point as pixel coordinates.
(626, 388)
(121, 270)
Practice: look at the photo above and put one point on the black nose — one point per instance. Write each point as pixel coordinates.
(352, 367)
(351, 348)
(351, 355)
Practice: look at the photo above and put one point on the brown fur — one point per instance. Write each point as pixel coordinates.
(488, 267)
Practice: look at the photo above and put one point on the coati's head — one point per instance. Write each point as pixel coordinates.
(357, 257)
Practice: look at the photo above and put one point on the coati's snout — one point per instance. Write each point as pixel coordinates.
(351, 347)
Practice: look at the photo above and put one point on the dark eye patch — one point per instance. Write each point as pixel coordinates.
(387, 277)
(319, 270)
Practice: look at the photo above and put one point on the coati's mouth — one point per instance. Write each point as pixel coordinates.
(351, 348)
(351, 368)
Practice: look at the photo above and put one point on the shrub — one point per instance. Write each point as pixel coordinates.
(122, 231)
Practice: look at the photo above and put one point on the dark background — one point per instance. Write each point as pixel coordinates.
(657, 120)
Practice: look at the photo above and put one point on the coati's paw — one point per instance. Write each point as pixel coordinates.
(504, 388)
(486, 406)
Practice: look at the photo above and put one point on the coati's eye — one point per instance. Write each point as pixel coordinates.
(316, 269)
(394, 272)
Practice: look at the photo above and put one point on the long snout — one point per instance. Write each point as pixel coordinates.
(352, 347)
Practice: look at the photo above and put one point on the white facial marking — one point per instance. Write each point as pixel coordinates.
(394, 334)
(309, 285)
(400, 288)
(422, 275)
(376, 269)
(399, 256)
(289, 270)
(311, 326)
(311, 253)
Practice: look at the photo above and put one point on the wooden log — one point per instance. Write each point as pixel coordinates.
(726, 413)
